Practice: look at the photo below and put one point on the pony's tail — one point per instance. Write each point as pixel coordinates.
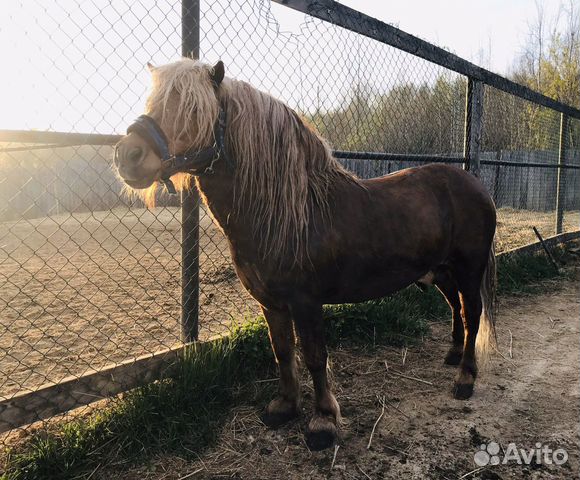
(486, 337)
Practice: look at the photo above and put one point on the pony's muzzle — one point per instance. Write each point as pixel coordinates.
(131, 158)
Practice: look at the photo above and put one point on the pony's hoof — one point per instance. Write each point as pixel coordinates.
(464, 382)
(277, 419)
(453, 357)
(278, 412)
(462, 391)
(320, 440)
(321, 434)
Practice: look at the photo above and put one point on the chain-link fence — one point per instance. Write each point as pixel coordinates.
(90, 279)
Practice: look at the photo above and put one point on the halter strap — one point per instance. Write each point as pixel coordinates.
(188, 162)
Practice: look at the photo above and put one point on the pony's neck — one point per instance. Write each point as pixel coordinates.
(217, 194)
(284, 176)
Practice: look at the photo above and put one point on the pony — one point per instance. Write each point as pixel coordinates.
(304, 232)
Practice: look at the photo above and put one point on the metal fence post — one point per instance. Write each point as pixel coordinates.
(561, 182)
(189, 200)
(473, 125)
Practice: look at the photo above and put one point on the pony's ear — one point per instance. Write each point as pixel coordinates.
(150, 66)
(217, 73)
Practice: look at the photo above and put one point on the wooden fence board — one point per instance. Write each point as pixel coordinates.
(73, 392)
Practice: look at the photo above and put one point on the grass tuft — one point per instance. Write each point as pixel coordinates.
(525, 274)
(399, 319)
(180, 413)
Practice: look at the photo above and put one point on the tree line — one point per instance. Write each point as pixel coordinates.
(428, 117)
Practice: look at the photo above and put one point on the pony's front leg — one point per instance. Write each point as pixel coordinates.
(285, 405)
(322, 428)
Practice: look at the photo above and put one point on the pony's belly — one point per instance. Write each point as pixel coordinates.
(368, 288)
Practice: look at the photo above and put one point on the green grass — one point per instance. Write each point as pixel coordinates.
(399, 319)
(183, 413)
(180, 413)
(525, 274)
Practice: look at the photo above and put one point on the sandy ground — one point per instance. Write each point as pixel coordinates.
(87, 290)
(423, 432)
(82, 291)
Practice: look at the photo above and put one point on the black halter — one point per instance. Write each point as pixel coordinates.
(196, 162)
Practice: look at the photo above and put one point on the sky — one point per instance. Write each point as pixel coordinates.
(468, 28)
(79, 65)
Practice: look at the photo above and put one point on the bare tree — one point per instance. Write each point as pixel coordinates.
(528, 65)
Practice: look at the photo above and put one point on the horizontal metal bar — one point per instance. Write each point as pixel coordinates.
(46, 146)
(354, 155)
(355, 21)
(61, 138)
(410, 157)
(76, 139)
(506, 163)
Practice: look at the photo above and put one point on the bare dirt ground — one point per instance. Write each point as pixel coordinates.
(527, 397)
(85, 290)
(80, 291)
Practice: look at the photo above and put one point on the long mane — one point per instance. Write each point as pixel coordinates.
(285, 172)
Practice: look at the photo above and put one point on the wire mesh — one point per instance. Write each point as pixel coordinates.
(362, 95)
(91, 278)
(523, 133)
(81, 269)
(571, 178)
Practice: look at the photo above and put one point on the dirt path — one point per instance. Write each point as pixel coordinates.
(424, 433)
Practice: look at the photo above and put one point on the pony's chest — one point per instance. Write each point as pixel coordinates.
(258, 285)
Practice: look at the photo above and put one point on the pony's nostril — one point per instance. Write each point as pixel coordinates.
(135, 155)
(116, 160)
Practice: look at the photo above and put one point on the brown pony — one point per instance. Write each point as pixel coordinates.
(303, 232)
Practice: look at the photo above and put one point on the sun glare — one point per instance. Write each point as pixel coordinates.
(73, 69)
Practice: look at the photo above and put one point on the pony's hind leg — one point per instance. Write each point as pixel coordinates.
(285, 405)
(446, 284)
(471, 310)
(322, 429)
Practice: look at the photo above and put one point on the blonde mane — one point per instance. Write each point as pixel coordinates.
(285, 172)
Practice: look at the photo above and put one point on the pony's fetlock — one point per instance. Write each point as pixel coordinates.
(328, 405)
(454, 355)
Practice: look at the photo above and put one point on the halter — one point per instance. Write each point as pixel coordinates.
(191, 161)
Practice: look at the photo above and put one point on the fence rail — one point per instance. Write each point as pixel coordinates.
(353, 20)
(99, 295)
(56, 139)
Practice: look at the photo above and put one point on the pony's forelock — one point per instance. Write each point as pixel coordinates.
(180, 90)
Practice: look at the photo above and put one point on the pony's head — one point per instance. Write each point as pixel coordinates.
(181, 112)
